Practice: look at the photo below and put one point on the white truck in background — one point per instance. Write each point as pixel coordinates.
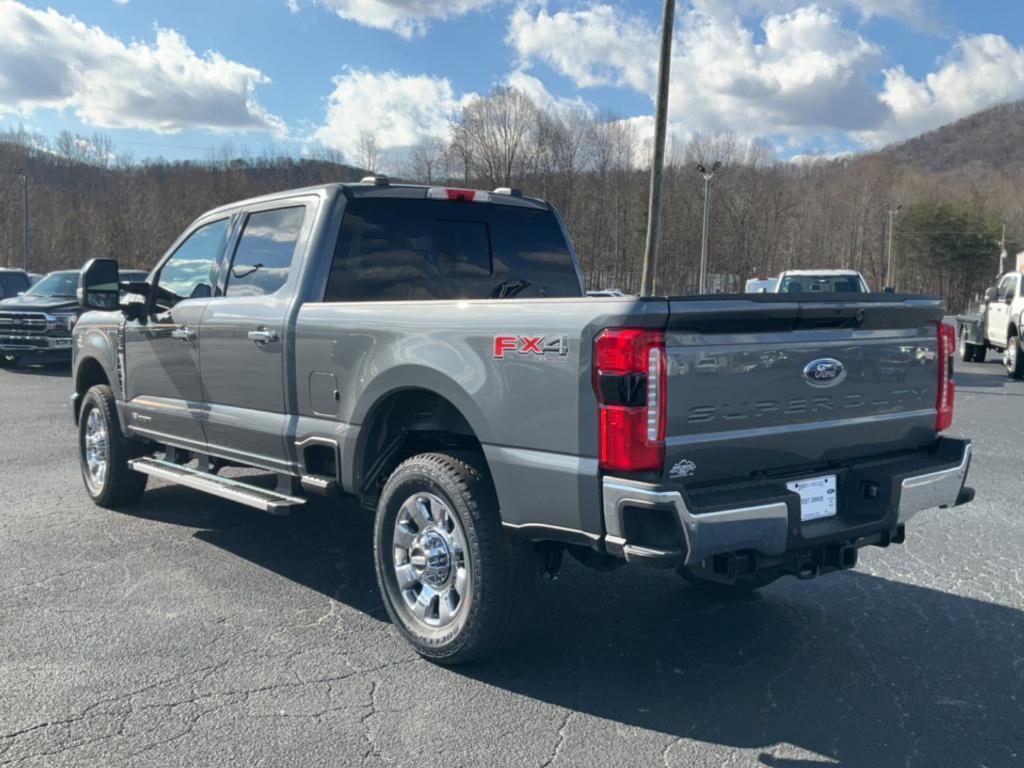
(821, 281)
(997, 326)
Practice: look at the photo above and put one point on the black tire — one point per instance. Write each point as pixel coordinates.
(1014, 359)
(8, 361)
(970, 353)
(500, 569)
(118, 485)
(744, 585)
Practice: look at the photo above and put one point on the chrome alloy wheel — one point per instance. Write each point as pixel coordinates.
(97, 449)
(1010, 355)
(431, 562)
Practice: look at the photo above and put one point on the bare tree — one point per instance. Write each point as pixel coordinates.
(368, 153)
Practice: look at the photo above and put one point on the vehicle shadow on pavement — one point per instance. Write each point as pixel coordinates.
(326, 546)
(49, 370)
(858, 669)
(850, 670)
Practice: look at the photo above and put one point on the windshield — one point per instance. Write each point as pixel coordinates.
(56, 284)
(822, 284)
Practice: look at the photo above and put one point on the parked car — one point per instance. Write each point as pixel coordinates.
(36, 323)
(34, 277)
(997, 327)
(821, 281)
(431, 353)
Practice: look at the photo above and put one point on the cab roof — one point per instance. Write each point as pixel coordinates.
(381, 186)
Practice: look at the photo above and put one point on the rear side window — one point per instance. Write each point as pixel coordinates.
(398, 249)
(265, 250)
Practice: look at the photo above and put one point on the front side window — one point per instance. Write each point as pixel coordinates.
(1005, 287)
(188, 274)
(265, 250)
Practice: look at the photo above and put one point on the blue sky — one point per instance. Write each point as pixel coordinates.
(175, 79)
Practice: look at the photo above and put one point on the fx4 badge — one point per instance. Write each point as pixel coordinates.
(684, 468)
(528, 346)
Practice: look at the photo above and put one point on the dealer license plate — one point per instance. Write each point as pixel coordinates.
(817, 497)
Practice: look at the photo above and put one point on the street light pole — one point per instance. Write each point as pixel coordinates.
(24, 219)
(708, 176)
(888, 268)
(658, 164)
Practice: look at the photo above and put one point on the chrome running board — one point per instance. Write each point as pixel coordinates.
(234, 490)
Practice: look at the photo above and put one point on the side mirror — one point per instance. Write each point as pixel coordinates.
(99, 285)
(992, 294)
(888, 289)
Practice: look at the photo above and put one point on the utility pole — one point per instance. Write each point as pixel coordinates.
(888, 268)
(658, 164)
(708, 176)
(24, 218)
(1002, 254)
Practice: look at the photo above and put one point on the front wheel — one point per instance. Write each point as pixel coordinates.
(1013, 358)
(104, 452)
(452, 581)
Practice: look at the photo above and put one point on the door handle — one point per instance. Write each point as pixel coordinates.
(262, 336)
(184, 333)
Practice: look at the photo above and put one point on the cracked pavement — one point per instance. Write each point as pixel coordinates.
(190, 631)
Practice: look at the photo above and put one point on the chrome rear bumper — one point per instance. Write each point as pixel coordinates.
(762, 528)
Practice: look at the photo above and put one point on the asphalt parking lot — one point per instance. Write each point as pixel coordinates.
(189, 631)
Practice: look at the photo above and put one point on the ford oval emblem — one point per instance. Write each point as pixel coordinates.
(824, 372)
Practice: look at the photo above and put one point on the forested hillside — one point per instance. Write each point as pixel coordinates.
(87, 200)
(991, 140)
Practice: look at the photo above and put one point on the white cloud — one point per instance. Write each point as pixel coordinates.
(907, 10)
(542, 97)
(594, 46)
(397, 110)
(48, 60)
(980, 71)
(808, 73)
(408, 18)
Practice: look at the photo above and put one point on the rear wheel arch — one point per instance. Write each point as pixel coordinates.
(403, 423)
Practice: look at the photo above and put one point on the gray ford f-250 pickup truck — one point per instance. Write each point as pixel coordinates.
(431, 352)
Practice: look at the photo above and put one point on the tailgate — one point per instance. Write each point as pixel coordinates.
(770, 384)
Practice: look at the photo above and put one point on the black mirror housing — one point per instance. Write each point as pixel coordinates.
(991, 294)
(99, 285)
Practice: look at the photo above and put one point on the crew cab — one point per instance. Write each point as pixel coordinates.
(36, 322)
(431, 353)
(997, 327)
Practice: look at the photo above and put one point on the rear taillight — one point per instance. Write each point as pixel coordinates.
(629, 381)
(947, 389)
